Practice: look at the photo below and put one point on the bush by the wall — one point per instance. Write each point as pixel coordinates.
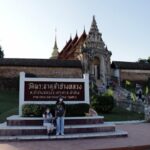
(12, 83)
(103, 104)
(73, 110)
(9, 83)
(36, 110)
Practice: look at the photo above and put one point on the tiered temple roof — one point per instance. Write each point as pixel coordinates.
(71, 46)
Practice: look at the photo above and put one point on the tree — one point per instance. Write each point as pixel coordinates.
(140, 60)
(148, 59)
(1, 53)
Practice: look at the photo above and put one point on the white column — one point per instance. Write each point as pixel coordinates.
(117, 74)
(86, 89)
(21, 92)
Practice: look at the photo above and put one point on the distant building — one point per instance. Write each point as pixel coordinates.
(132, 71)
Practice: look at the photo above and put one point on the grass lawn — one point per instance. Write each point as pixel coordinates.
(120, 114)
(8, 104)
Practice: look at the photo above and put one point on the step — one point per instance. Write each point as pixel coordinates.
(117, 133)
(16, 120)
(69, 129)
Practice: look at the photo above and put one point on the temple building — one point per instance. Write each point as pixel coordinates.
(91, 50)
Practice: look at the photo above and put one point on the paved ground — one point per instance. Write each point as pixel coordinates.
(139, 135)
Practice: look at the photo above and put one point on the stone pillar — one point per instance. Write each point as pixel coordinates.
(102, 69)
(147, 113)
(85, 64)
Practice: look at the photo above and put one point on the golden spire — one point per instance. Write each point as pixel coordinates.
(55, 48)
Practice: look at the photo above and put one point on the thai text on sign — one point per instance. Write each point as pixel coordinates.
(50, 91)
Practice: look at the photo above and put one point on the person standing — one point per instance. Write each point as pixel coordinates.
(60, 111)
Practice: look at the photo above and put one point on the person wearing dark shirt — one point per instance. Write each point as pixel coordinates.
(60, 114)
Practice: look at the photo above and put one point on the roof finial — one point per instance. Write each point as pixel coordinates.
(70, 36)
(76, 34)
(94, 24)
(55, 45)
(84, 30)
(93, 17)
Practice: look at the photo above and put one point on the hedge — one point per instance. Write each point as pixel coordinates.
(36, 110)
(103, 104)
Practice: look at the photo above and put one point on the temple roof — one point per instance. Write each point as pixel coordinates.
(69, 48)
(130, 65)
(81, 39)
(39, 63)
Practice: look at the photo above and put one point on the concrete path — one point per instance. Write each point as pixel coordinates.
(139, 135)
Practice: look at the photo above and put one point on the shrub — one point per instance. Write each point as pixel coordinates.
(72, 110)
(30, 75)
(103, 104)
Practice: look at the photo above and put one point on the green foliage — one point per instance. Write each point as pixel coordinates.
(30, 75)
(93, 89)
(72, 110)
(1, 53)
(35, 110)
(129, 87)
(121, 114)
(108, 93)
(141, 60)
(8, 104)
(10, 112)
(148, 59)
(9, 83)
(103, 103)
(132, 86)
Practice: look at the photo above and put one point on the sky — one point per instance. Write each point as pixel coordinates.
(27, 27)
